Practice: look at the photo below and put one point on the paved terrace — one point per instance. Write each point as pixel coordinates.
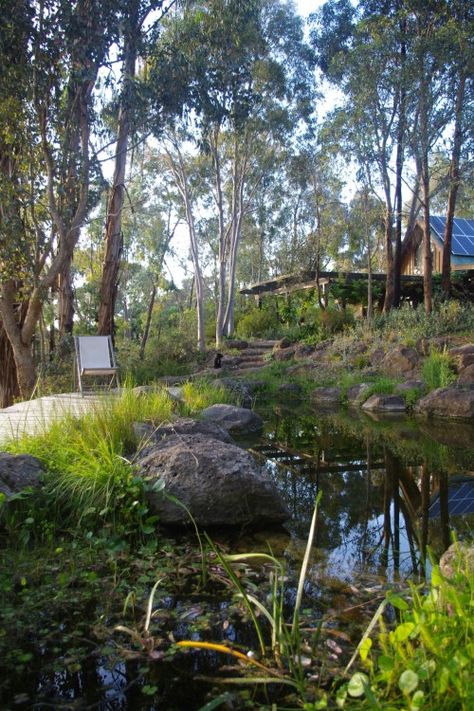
(34, 415)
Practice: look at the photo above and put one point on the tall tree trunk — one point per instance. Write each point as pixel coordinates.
(454, 179)
(389, 285)
(9, 389)
(146, 330)
(223, 242)
(401, 128)
(20, 336)
(113, 228)
(235, 232)
(66, 302)
(177, 167)
(370, 305)
(425, 181)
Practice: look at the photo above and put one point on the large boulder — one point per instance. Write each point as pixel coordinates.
(235, 420)
(219, 483)
(149, 435)
(400, 361)
(408, 386)
(466, 375)
(290, 391)
(18, 472)
(384, 403)
(454, 401)
(326, 397)
(463, 355)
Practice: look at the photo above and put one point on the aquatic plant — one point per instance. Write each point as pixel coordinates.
(283, 657)
(426, 660)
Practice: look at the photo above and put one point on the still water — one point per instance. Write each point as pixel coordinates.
(393, 488)
(394, 492)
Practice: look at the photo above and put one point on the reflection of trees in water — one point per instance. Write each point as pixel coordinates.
(377, 479)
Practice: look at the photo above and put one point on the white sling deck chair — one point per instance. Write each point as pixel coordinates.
(95, 357)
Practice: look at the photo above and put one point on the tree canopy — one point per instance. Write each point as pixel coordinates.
(130, 128)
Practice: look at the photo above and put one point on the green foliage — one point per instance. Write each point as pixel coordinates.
(412, 395)
(382, 385)
(425, 661)
(446, 318)
(261, 323)
(438, 370)
(168, 356)
(197, 395)
(354, 292)
(332, 320)
(90, 481)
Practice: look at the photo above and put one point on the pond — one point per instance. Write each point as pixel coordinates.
(393, 490)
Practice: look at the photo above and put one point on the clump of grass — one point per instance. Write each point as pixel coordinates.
(197, 395)
(438, 370)
(412, 395)
(381, 386)
(89, 477)
(446, 318)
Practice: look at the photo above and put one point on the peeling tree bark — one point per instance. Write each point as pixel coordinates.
(113, 229)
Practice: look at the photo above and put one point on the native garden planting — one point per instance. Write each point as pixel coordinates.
(236, 355)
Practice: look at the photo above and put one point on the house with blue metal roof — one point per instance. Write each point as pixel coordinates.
(462, 247)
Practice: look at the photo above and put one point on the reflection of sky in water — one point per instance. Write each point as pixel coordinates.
(376, 491)
(348, 558)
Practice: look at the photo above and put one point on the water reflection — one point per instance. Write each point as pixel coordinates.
(388, 487)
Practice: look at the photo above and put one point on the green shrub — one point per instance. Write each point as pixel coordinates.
(446, 318)
(259, 323)
(332, 320)
(438, 370)
(411, 396)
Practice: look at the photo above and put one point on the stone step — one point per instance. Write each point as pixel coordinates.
(246, 371)
(253, 352)
(243, 358)
(265, 344)
(248, 365)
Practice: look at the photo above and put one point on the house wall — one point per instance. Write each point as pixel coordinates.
(412, 261)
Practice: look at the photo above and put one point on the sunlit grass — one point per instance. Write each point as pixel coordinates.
(198, 395)
(438, 370)
(86, 458)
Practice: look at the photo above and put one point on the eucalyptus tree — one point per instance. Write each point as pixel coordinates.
(458, 32)
(51, 55)
(428, 70)
(366, 57)
(245, 72)
(133, 15)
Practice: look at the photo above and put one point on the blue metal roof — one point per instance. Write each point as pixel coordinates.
(463, 234)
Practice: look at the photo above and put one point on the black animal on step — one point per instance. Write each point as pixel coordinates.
(218, 360)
